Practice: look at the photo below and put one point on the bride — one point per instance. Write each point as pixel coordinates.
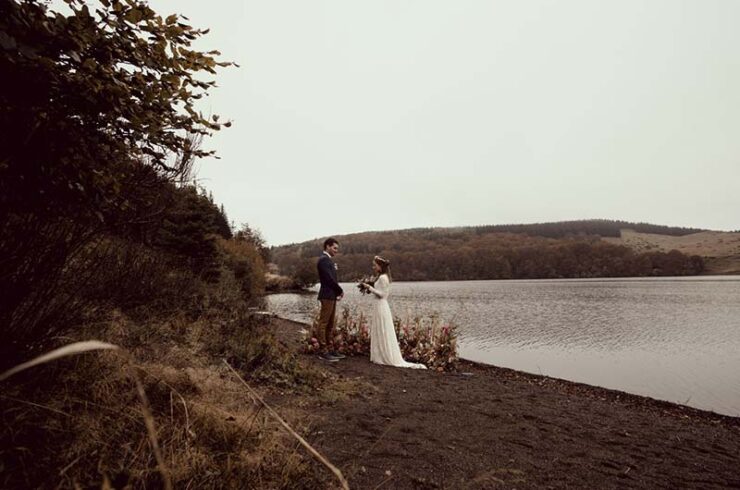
(384, 347)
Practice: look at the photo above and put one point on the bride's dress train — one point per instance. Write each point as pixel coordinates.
(384, 347)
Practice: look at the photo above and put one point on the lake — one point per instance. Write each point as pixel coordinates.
(675, 339)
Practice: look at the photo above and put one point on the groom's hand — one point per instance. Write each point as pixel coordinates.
(339, 298)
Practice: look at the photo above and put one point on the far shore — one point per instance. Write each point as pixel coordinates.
(616, 278)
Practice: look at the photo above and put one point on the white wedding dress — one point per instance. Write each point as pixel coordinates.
(384, 347)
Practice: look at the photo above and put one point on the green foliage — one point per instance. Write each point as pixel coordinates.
(97, 122)
(305, 275)
(222, 223)
(188, 228)
(90, 92)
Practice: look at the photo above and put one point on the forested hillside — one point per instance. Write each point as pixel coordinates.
(545, 250)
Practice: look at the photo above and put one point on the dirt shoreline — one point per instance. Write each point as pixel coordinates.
(491, 427)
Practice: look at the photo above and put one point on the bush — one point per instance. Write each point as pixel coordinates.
(103, 273)
(275, 283)
(34, 255)
(128, 274)
(245, 261)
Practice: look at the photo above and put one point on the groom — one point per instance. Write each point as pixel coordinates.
(329, 294)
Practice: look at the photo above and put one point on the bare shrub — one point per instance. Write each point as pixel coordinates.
(126, 274)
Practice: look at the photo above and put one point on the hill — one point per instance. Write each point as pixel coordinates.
(589, 248)
(720, 250)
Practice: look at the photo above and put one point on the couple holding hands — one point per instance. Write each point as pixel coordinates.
(384, 347)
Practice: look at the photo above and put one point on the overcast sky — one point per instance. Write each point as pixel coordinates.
(351, 116)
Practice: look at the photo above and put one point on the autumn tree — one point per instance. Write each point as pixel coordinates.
(254, 236)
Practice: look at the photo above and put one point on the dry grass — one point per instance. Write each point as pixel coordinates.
(705, 244)
(337, 472)
(338, 390)
(81, 422)
(722, 249)
(67, 350)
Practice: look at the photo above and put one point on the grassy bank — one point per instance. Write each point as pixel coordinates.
(80, 422)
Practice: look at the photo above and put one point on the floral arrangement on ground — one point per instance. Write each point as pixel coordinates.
(424, 339)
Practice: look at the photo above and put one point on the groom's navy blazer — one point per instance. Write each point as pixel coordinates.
(330, 287)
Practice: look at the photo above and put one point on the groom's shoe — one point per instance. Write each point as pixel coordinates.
(328, 357)
(337, 355)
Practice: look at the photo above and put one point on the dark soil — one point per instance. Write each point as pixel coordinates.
(489, 427)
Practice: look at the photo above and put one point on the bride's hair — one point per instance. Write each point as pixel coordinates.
(385, 266)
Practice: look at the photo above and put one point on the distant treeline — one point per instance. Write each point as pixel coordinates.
(600, 227)
(490, 253)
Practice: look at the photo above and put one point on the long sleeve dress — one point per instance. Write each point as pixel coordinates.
(384, 347)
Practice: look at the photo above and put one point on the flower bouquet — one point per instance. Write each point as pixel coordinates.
(364, 282)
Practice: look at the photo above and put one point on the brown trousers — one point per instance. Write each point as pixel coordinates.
(327, 319)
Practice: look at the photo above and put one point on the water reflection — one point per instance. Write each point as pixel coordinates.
(670, 338)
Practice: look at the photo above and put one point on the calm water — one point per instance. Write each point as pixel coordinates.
(675, 339)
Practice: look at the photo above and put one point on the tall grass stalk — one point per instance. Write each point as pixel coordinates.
(337, 472)
(67, 350)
